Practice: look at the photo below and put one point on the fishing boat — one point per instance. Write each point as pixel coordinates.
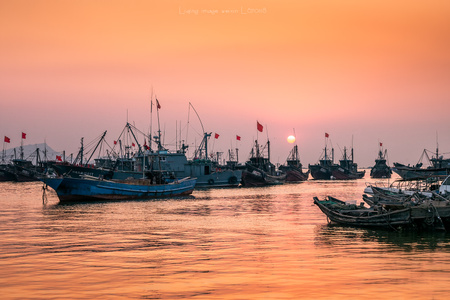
(293, 167)
(323, 169)
(438, 165)
(89, 188)
(259, 170)
(122, 163)
(340, 212)
(210, 173)
(432, 214)
(5, 174)
(425, 186)
(347, 169)
(381, 169)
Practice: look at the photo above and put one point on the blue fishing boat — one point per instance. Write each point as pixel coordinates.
(88, 188)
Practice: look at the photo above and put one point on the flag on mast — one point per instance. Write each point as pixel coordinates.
(216, 136)
(7, 139)
(326, 135)
(259, 126)
(24, 135)
(238, 137)
(158, 106)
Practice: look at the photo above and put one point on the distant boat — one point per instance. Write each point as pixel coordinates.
(210, 173)
(169, 164)
(23, 170)
(439, 166)
(323, 170)
(381, 169)
(5, 174)
(259, 170)
(347, 169)
(90, 188)
(293, 167)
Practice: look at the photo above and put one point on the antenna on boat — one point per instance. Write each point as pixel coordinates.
(151, 118)
(437, 146)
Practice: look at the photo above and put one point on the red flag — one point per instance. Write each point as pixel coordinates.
(238, 138)
(216, 136)
(158, 106)
(115, 142)
(259, 126)
(326, 134)
(24, 135)
(58, 158)
(7, 140)
(132, 144)
(381, 144)
(145, 145)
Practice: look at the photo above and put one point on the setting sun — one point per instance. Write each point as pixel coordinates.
(291, 139)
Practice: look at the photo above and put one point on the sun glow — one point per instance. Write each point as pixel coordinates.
(291, 139)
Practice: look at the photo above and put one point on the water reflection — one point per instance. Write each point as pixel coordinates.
(268, 243)
(331, 235)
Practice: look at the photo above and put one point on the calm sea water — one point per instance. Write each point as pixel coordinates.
(244, 243)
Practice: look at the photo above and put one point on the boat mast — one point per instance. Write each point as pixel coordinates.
(352, 148)
(437, 146)
(151, 120)
(21, 148)
(81, 151)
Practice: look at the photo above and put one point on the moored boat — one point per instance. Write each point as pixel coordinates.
(347, 168)
(90, 188)
(323, 169)
(381, 169)
(293, 167)
(428, 214)
(259, 170)
(438, 166)
(340, 212)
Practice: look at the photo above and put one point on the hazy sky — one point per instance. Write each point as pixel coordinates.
(377, 71)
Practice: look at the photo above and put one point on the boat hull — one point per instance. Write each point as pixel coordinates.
(342, 174)
(79, 189)
(381, 173)
(254, 179)
(320, 172)
(225, 178)
(370, 219)
(429, 214)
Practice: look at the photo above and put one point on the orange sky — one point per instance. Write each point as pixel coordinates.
(374, 70)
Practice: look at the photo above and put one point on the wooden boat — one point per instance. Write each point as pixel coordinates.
(90, 188)
(349, 214)
(293, 167)
(433, 214)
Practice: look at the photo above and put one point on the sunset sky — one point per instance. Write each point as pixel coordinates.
(377, 71)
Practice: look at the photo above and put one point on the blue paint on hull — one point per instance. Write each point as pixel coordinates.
(80, 189)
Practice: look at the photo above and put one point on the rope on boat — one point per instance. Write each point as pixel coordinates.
(44, 194)
(438, 217)
(388, 221)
